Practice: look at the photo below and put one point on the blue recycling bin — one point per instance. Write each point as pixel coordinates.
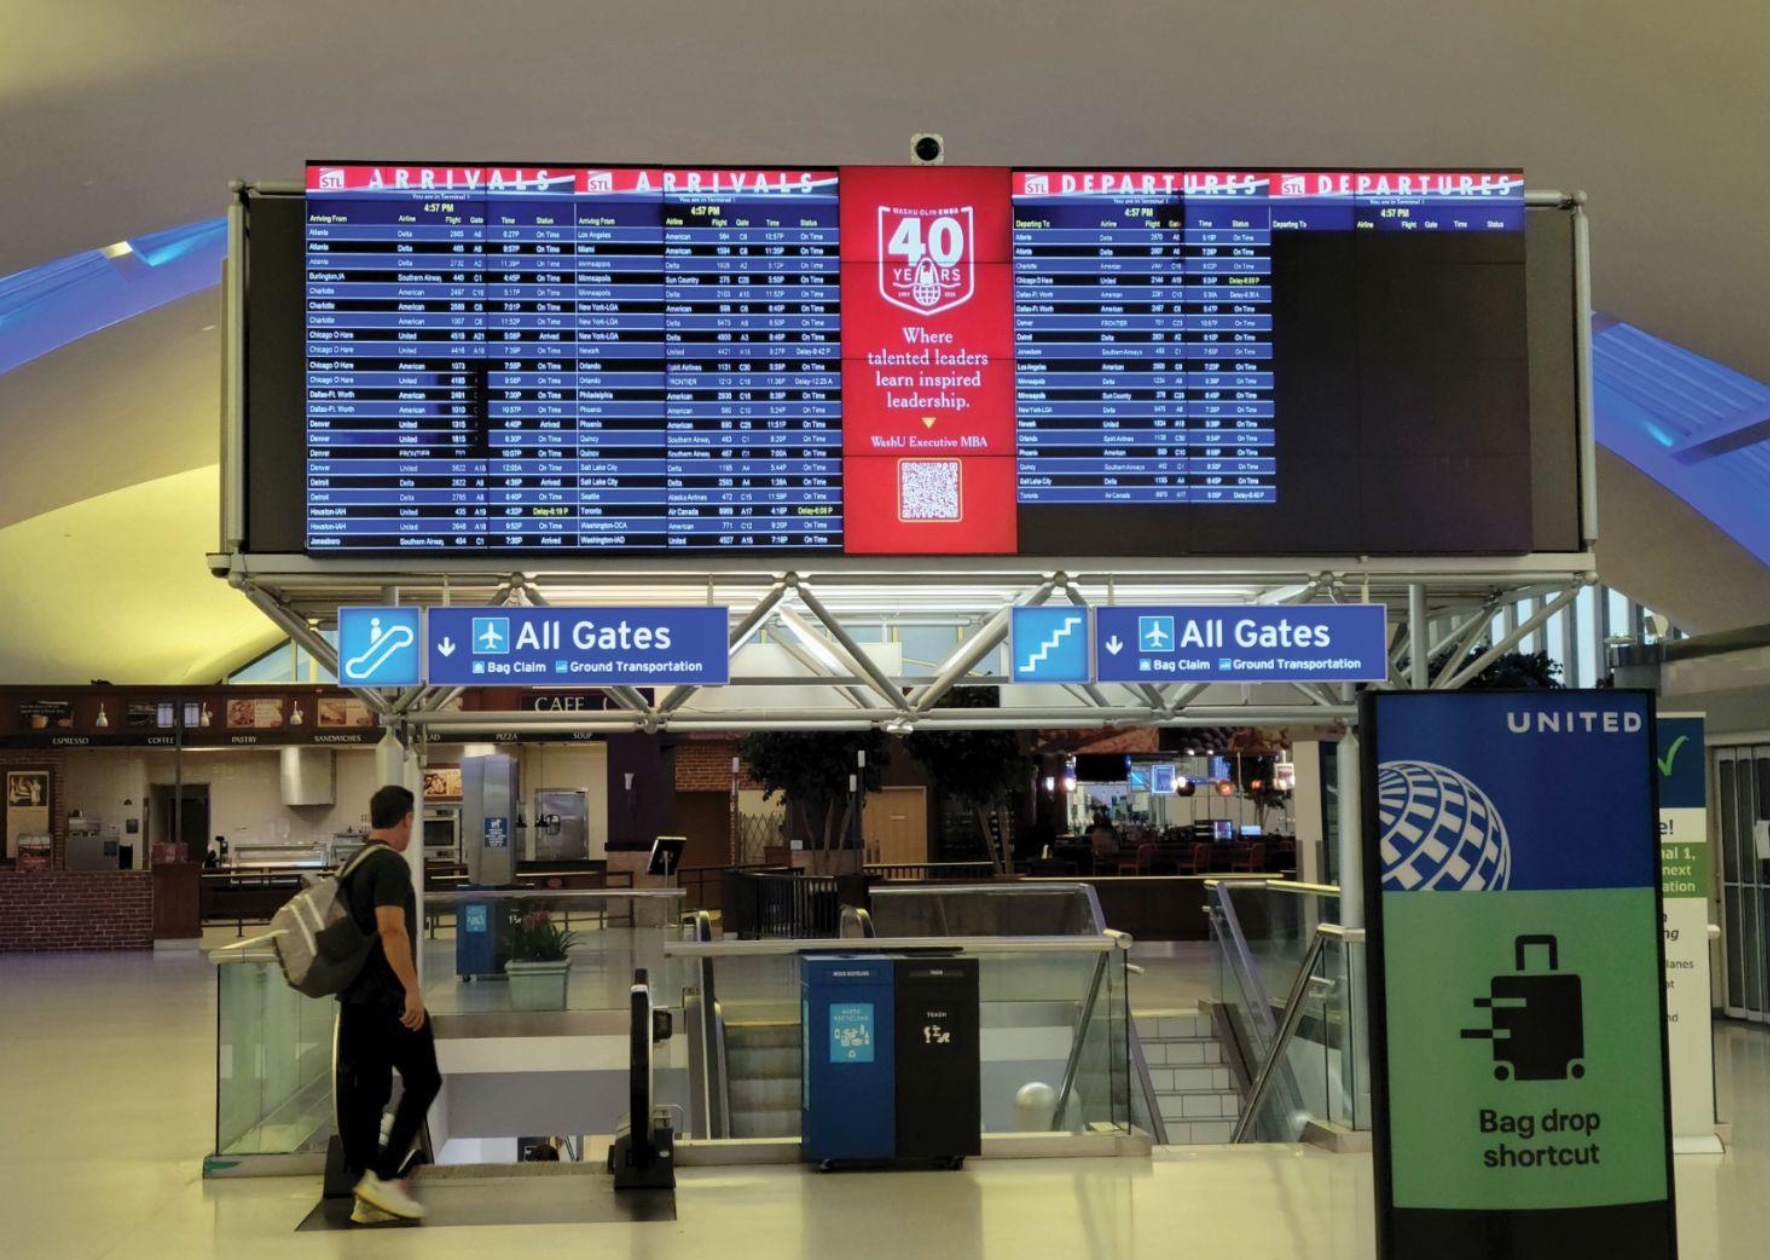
(479, 940)
(848, 1049)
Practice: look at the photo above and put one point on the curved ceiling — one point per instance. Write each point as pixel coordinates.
(123, 118)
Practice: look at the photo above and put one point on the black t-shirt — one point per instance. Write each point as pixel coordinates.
(380, 879)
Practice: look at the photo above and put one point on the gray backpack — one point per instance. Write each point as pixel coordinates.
(318, 943)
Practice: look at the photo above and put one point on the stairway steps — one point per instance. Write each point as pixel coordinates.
(765, 1124)
(1194, 1086)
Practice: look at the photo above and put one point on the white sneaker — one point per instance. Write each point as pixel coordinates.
(391, 1197)
(362, 1214)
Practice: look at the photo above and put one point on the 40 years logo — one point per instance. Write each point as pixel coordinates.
(926, 262)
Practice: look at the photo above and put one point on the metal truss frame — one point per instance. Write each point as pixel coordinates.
(1438, 608)
(1441, 612)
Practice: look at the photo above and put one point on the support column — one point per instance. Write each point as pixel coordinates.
(1418, 639)
(1351, 838)
(1352, 894)
(1306, 807)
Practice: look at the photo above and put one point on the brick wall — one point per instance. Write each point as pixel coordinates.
(44, 911)
(704, 765)
(56, 764)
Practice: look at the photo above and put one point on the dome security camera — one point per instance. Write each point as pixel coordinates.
(927, 148)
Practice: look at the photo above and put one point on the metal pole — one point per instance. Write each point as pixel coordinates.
(1293, 1016)
(1505, 645)
(233, 410)
(1418, 664)
(1582, 306)
(1351, 824)
(862, 663)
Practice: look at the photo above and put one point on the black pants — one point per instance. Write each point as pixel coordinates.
(372, 1043)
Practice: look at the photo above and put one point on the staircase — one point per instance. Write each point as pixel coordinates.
(762, 1067)
(1193, 1084)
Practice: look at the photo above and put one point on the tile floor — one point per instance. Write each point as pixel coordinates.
(106, 1106)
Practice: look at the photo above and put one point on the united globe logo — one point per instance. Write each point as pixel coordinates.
(1440, 831)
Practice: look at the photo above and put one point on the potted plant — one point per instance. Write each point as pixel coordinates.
(539, 960)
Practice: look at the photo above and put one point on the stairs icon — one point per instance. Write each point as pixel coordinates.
(1050, 643)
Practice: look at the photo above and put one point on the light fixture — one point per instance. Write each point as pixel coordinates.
(1225, 788)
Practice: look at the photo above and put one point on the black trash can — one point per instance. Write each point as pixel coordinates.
(939, 1085)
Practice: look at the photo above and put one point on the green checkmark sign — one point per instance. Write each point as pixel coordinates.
(1665, 762)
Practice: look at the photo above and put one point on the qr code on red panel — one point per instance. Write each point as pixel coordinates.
(928, 490)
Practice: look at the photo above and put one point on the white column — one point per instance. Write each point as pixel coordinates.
(1306, 809)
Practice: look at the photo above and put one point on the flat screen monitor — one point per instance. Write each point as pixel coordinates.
(1252, 830)
(1222, 829)
(469, 359)
(666, 855)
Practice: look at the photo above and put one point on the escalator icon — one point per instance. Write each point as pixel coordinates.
(386, 654)
(1538, 1026)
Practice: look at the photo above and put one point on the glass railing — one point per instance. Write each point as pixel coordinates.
(1053, 1013)
(1284, 966)
(471, 935)
(273, 1061)
(273, 1089)
(988, 910)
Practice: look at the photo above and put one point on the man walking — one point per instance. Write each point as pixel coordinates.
(382, 1024)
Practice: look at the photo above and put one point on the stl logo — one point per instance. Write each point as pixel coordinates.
(926, 263)
(600, 182)
(1292, 186)
(331, 178)
(1038, 185)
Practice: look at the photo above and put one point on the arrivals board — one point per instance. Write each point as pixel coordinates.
(934, 360)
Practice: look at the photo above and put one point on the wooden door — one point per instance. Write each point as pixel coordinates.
(896, 826)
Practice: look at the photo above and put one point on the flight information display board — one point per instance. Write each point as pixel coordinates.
(1143, 337)
(938, 360)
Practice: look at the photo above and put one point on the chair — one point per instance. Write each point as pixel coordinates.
(1249, 859)
(1196, 862)
(1142, 863)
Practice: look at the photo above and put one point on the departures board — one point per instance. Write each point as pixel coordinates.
(909, 361)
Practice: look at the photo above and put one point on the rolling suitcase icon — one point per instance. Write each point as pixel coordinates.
(1538, 1026)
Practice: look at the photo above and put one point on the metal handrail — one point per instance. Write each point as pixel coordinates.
(1105, 943)
(254, 949)
(1158, 1124)
(1293, 1017)
(1311, 890)
(1241, 962)
(446, 896)
(706, 1027)
(1074, 1065)
(1019, 888)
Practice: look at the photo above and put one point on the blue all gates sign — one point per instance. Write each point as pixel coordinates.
(1248, 643)
(604, 647)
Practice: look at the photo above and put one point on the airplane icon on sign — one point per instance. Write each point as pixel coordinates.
(491, 636)
(1156, 634)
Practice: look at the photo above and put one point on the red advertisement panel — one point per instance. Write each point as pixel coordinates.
(959, 410)
(929, 505)
(927, 314)
(878, 201)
